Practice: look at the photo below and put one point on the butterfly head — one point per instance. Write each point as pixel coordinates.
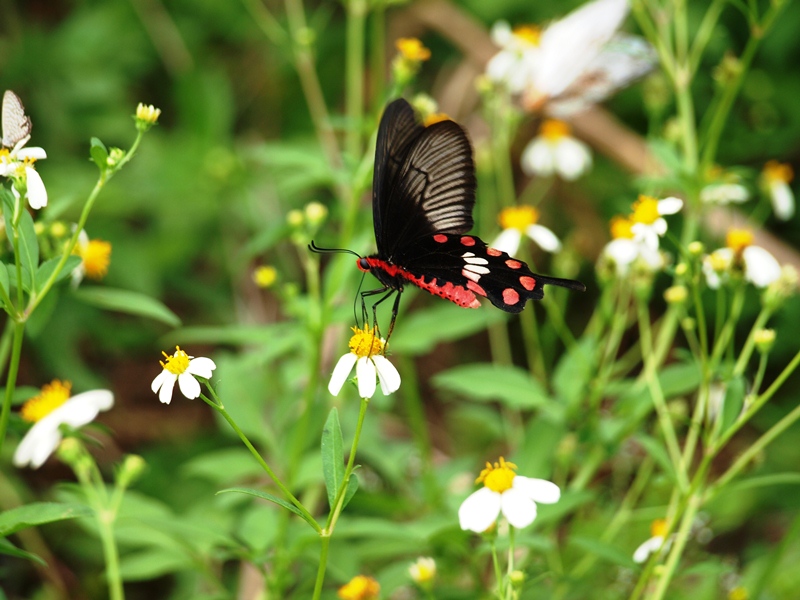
(363, 264)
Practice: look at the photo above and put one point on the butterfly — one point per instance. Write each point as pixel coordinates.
(423, 193)
(16, 124)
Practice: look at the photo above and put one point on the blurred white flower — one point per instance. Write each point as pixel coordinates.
(776, 178)
(523, 219)
(423, 571)
(48, 411)
(505, 492)
(624, 251)
(513, 65)
(658, 531)
(184, 369)
(757, 265)
(724, 193)
(367, 355)
(648, 218)
(554, 150)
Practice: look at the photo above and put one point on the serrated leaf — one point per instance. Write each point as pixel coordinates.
(47, 268)
(99, 154)
(484, 382)
(274, 499)
(332, 455)
(125, 301)
(38, 513)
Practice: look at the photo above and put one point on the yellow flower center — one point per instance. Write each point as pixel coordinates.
(529, 34)
(621, 227)
(265, 276)
(360, 587)
(658, 528)
(435, 118)
(412, 49)
(177, 363)
(645, 210)
(738, 593)
(719, 261)
(775, 172)
(518, 217)
(365, 342)
(738, 239)
(5, 154)
(498, 477)
(96, 256)
(424, 570)
(53, 395)
(554, 130)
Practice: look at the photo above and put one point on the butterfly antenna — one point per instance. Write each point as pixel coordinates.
(566, 283)
(314, 248)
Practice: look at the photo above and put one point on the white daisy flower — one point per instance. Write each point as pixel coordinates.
(523, 219)
(648, 221)
(16, 161)
(658, 541)
(184, 369)
(513, 65)
(423, 571)
(625, 251)
(555, 151)
(48, 411)
(724, 193)
(505, 492)
(757, 265)
(776, 178)
(367, 354)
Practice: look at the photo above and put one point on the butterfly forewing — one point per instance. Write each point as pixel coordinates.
(16, 124)
(424, 187)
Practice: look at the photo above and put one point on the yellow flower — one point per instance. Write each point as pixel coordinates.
(412, 49)
(96, 256)
(147, 115)
(360, 587)
(776, 171)
(739, 239)
(52, 395)
(554, 130)
(621, 228)
(529, 34)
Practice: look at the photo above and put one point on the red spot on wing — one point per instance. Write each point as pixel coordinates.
(468, 241)
(493, 252)
(471, 285)
(510, 296)
(513, 264)
(440, 237)
(527, 282)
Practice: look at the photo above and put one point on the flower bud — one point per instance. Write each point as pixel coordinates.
(316, 213)
(423, 571)
(295, 218)
(265, 276)
(764, 340)
(146, 116)
(681, 269)
(517, 578)
(677, 294)
(130, 470)
(696, 248)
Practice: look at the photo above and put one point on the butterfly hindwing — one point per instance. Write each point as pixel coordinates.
(16, 124)
(427, 185)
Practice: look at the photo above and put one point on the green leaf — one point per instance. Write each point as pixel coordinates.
(267, 496)
(332, 455)
(679, 378)
(39, 513)
(789, 478)
(423, 330)
(125, 301)
(10, 549)
(49, 266)
(99, 154)
(484, 382)
(602, 550)
(574, 371)
(4, 282)
(352, 488)
(28, 243)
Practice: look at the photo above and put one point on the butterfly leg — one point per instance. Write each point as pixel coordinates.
(389, 291)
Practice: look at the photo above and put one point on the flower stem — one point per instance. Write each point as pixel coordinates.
(11, 380)
(217, 405)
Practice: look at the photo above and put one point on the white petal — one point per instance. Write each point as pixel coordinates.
(622, 251)
(646, 234)
(761, 268)
(572, 158)
(546, 239)
(38, 444)
(660, 226)
(341, 372)
(507, 241)
(501, 33)
(723, 193)
(159, 380)
(201, 366)
(643, 552)
(670, 206)
(517, 507)
(33, 152)
(37, 194)
(365, 373)
(539, 490)
(387, 375)
(782, 200)
(572, 43)
(713, 279)
(479, 510)
(83, 408)
(189, 386)
(167, 385)
(538, 158)
(652, 258)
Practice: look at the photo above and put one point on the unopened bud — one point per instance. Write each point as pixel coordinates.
(677, 294)
(764, 340)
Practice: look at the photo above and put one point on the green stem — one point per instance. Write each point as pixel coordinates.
(11, 380)
(498, 574)
(510, 568)
(105, 521)
(749, 345)
(533, 344)
(217, 405)
(728, 329)
(354, 73)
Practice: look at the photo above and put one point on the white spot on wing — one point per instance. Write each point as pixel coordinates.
(476, 261)
(476, 269)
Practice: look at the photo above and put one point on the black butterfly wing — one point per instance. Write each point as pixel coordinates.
(424, 181)
(462, 268)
